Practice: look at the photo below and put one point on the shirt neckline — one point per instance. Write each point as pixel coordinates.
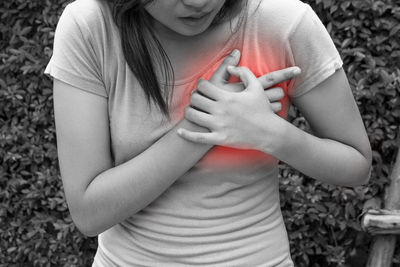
(226, 50)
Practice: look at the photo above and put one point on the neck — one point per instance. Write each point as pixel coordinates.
(166, 35)
(182, 50)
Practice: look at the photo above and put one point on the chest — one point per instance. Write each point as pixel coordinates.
(135, 124)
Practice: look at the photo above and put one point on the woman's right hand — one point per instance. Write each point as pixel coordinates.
(273, 94)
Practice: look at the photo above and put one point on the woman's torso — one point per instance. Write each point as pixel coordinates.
(225, 210)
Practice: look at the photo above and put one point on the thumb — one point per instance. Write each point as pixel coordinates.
(221, 75)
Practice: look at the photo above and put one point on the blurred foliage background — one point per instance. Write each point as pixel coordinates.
(322, 220)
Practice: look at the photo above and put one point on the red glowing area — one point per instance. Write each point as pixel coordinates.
(220, 156)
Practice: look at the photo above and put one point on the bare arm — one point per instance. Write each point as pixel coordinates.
(98, 194)
(339, 153)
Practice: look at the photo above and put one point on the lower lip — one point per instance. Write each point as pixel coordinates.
(195, 21)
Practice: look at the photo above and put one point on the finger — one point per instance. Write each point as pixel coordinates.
(221, 75)
(209, 90)
(200, 102)
(247, 77)
(197, 137)
(274, 94)
(279, 76)
(200, 118)
(276, 106)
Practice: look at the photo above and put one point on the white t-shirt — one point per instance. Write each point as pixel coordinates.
(225, 211)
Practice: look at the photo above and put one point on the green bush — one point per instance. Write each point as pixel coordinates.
(322, 220)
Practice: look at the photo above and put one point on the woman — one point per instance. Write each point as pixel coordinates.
(166, 155)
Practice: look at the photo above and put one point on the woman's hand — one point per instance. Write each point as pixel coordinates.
(241, 119)
(273, 94)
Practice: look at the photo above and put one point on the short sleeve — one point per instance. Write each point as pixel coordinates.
(313, 51)
(74, 60)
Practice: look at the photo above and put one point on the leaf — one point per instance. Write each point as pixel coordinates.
(320, 208)
(25, 30)
(11, 249)
(394, 30)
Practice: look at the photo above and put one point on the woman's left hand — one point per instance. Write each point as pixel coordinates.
(235, 119)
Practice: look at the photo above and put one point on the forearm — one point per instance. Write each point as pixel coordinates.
(323, 159)
(124, 190)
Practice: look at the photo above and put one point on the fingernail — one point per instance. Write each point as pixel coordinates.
(235, 53)
(296, 71)
(179, 131)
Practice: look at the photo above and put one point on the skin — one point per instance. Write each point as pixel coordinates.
(339, 148)
(99, 194)
(171, 26)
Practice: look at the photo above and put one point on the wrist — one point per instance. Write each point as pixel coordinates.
(275, 130)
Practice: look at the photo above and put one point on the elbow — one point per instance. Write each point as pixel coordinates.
(368, 162)
(87, 231)
(90, 234)
(363, 176)
(361, 179)
(368, 176)
(85, 227)
(85, 223)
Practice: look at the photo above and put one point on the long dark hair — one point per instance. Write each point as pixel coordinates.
(140, 45)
